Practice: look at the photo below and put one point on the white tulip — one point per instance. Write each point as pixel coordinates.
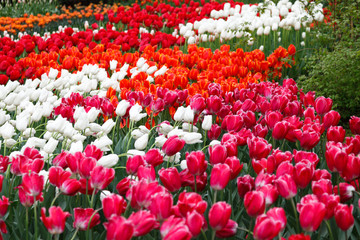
(104, 194)
(207, 122)
(122, 108)
(94, 127)
(21, 123)
(7, 131)
(108, 126)
(136, 134)
(103, 143)
(141, 143)
(93, 114)
(160, 140)
(10, 142)
(108, 160)
(76, 147)
(135, 114)
(164, 128)
(183, 165)
(179, 114)
(214, 142)
(192, 138)
(29, 132)
(189, 114)
(187, 126)
(113, 64)
(134, 152)
(50, 146)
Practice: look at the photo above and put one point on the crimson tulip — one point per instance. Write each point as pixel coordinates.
(113, 204)
(82, 218)
(220, 176)
(170, 178)
(219, 215)
(55, 223)
(254, 203)
(344, 216)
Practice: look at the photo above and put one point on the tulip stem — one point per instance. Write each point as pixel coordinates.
(246, 230)
(204, 235)
(53, 201)
(195, 184)
(295, 215)
(92, 198)
(35, 218)
(329, 229)
(346, 235)
(27, 223)
(215, 193)
(73, 237)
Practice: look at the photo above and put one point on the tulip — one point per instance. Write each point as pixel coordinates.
(258, 148)
(4, 162)
(219, 215)
(355, 125)
(154, 157)
(32, 184)
(101, 177)
(336, 134)
(141, 143)
(135, 114)
(195, 162)
(266, 227)
(108, 161)
(161, 205)
(140, 194)
(82, 218)
(119, 228)
(207, 123)
(343, 216)
(113, 205)
(143, 222)
(330, 201)
(331, 118)
(235, 166)
(346, 191)
(86, 166)
(254, 203)
(173, 145)
(55, 223)
(280, 130)
(299, 237)
(285, 168)
(4, 204)
(146, 172)
(303, 173)
(272, 118)
(278, 214)
(286, 186)
(270, 193)
(214, 132)
(321, 186)
(245, 184)
(323, 105)
(175, 228)
(195, 222)
(133, 164)
(191, 201)
(123, 186)
(336, 158)
(170, 178)
(311, 215)
(192, 138)
(218, 154)
(228, 231)
(220, 176)
(122, 108)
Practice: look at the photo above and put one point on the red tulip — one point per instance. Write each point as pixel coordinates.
(123, 186)
(303, 173)
(214, 104)
(220, 176)
(4, 162)
(82, 218)
(278, 214)
(32, 184)
(195, 222)
(321, 174)
(285, 168)
(279, 157)
(191, 201)
(133, 164)
(101, 177)
(355, 125)
(270, 193)
(280, 130)
(161, 205)
(55, 223)
(4, 204)
(311, 215)
(330, 201)
(254, 203)
(263, 179)
(119, 228)
(323, 105)
(196, 163)
(235, 166)
(312, 157)
(188, 180)
(286, 186)
(232, 123)
(217, 153)
(308, 139)
(245, 184)
(343, 216)
(346, 191)
(331, 118)
(336, 158)
(170, 178)
(86, 165)
(93, 151)
(140, 194)
(321, 186)
(113, 204)
(219, 215)
(175, 228)
(266, 227)
(228, 231)
(143, 222)
(214, 132)
(272, 117)
(173, 145)
(146, 172)
(299, 237)
(258, 148)
(336, 134)
(154, 157)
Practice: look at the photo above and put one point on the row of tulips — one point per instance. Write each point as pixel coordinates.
(176, 164)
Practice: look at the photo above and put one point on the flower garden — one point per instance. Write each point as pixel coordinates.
(172, 120)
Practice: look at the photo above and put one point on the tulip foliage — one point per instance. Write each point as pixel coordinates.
(107, 135)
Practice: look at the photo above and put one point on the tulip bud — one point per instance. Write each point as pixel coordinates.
(170, 178)
(207, 123)
(219, 215)
(254, 203)
(220, 176)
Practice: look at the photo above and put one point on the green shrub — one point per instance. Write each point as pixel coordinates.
(336, 75)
